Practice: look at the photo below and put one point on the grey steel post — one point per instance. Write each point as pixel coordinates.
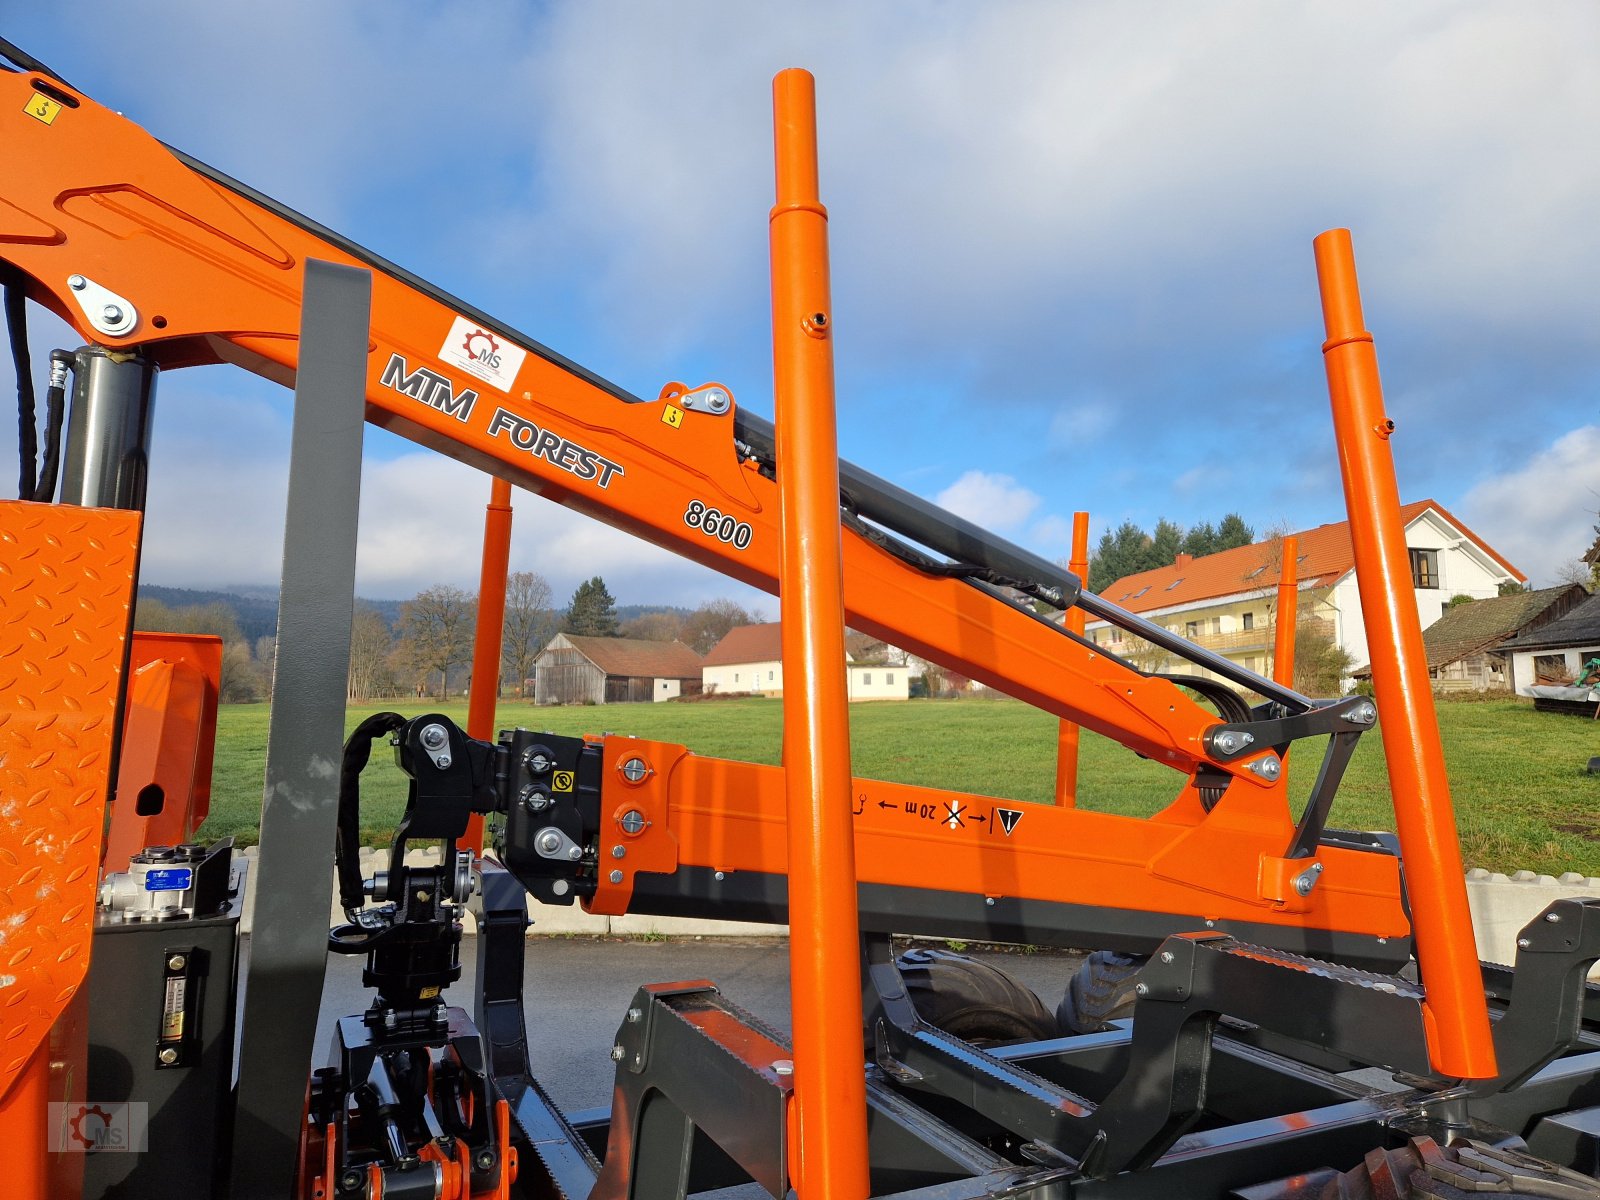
(106, 464)
(294, 880)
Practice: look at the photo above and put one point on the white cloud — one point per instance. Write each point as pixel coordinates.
(1541, 515)
(995, 502)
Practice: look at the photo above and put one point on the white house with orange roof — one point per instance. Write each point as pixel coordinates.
(750, 659)
(1226, 602)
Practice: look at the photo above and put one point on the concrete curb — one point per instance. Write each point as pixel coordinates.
(1501, 906)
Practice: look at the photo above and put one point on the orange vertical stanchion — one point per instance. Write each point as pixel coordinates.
(485, 689)
(830, 1156)
(1457, 1017)
(1288, 613)
(1067, 732)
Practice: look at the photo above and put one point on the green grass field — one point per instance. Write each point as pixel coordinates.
(1523, 797)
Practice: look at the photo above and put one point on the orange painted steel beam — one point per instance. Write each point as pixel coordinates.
(215, 276)
(1457, 1015)
(1068, 733)
(1288, 613)
(829, 1160)
(484, 692)
(730, 817)
(65, 597)
(169, 734)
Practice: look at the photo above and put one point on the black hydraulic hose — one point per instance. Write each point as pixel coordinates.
(347, 842)
(55, 414)
(27, 429)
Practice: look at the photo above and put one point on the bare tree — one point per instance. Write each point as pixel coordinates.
(710, 623)
(655, 627)
(436, 631)
(530, 623)
(371, 642)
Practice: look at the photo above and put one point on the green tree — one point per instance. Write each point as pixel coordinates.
(1511, 588)
(1118, 555)
(592, 613)
(1200, 541)
(1165, 544)
(1232, 531)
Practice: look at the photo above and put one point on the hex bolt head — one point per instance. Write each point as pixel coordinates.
(635, 1015)
(1553, 918)
(434, 736)
(177, 962)
(635, 770)
(77, 282)
(111, 314)
(1166, 956)
(615, 877)
(619, 851)
(1141, 989)
(575, 853)
(783, 1066)
(1227, 741)
(168, 1056)
(444, 762)
(549, 842)
(618, 1053)
(1524, 943)
(485, 1160)
(633, 822)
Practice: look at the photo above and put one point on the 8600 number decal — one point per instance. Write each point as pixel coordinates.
(715, 523)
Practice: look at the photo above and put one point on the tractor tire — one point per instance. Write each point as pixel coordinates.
(1425, 1170)
(1101, 992)
(972, 1000)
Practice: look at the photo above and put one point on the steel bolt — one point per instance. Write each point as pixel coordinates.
(618, 1053)
(783, 1066)
(717, 400)
(350, 1181)
(1553, 918)
(168, 1056)
(111, 314)
(719, 876)
(1141, 989)
(575, 853)
(1268, 768)
(635, 1015)
(444, 762)
(615, 877)
(1524, 943)
(1166, 956)
(619, 852)
(633, 822)
(485, 1160)
(549, 842)
(1228, 741)
(635, 770)
(177, 962)
(77, 282)
(1362, 714)
(434, 736)
(988, 901)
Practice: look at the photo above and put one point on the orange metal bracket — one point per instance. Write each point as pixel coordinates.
(1288, 613)
(490, 632)
(1457, 1015)
(169, 734)
(1068, 733)
(830, 1154)
(66, 589)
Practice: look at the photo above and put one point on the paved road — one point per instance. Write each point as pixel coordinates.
(578, 990)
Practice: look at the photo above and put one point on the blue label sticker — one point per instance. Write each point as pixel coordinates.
(169, 879)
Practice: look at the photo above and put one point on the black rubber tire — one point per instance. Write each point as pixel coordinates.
(972, 1000)
(1101, 992)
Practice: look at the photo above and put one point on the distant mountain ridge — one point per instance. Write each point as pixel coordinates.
(255, 606)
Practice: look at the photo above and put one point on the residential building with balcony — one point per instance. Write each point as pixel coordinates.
(1227, 602)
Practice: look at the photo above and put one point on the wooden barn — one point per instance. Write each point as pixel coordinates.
(601, 670)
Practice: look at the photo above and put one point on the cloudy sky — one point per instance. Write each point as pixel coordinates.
(1071, 246)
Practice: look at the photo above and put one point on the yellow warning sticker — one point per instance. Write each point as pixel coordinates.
(562, 781)
(42, 108)
(672, 415)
